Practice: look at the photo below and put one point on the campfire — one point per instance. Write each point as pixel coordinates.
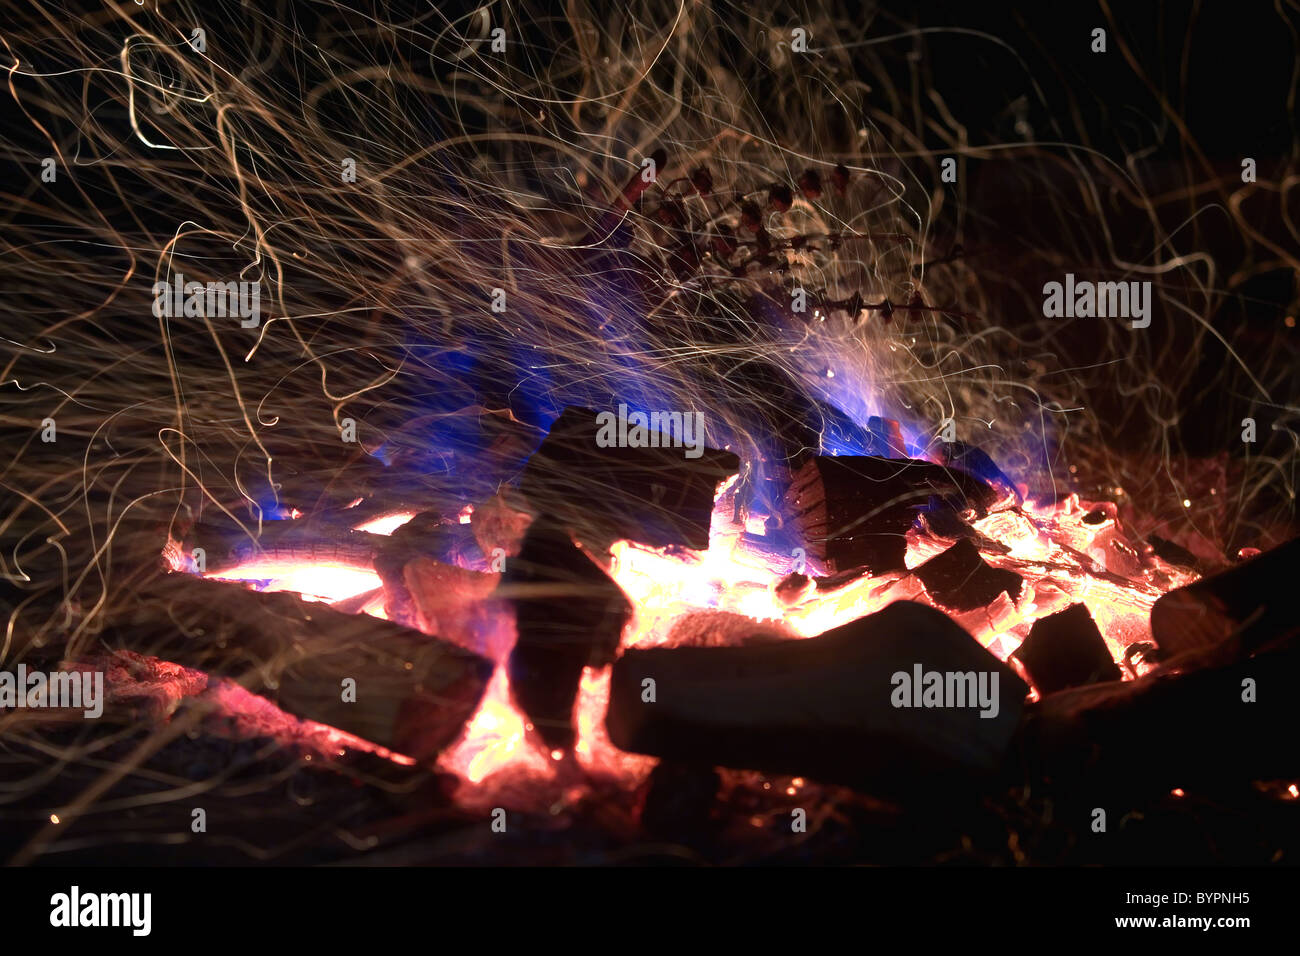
(627, 617)
(697, 438)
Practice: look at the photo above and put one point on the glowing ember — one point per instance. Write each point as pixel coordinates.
(315, 582)
(386, 524)
(495, 739)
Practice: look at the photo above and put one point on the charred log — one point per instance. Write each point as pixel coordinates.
(974, 461)
(568, 615)
(855, 511)
(226, 545)
(451, 601)
(840, 707)
(886, 438)
(960, 580)
(1245, 605)
(654, 495)
(413, 693)
(428, 536)
(1208, 728)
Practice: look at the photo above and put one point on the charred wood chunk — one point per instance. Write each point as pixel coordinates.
(568, 615)
(498, 525)
(1174, 553)
(1066, 650)
(225, 544)
(1251, 604)
(941, 520)
(430, 536)
(452, 602)
(654, 488)
(299, 655)
(792, 421)
(960, 580)
(1207, 727)
(855, 511)
(897, 701)
(976, 462)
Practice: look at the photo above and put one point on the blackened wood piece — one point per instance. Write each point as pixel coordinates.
(1172, 728)
(568, 615)
(428, 535)
(1174, 553)
(297, 654)
(941, 520)
(1066, 650)
(1249, 604)
(960, 580)
(499, 523)
(452, 602)
(854, 511)
(226, 545)
(821, 707)
(655, 496)
(968, 458)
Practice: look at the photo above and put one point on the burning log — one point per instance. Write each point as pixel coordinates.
(1247, 604)
(413, 693)
(430, 536)
(968, 458)
(960, 580)
(654, 494)
(855, 511)
(898, 701)
(941, 520)
(1066, 650)
(450, 600)
(1173, 553)
(226, 545)
(568, 615)
(499, 524)
(1208, 728)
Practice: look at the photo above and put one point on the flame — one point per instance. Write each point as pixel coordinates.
(495, 739)
(385, 524)
(314, 582)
